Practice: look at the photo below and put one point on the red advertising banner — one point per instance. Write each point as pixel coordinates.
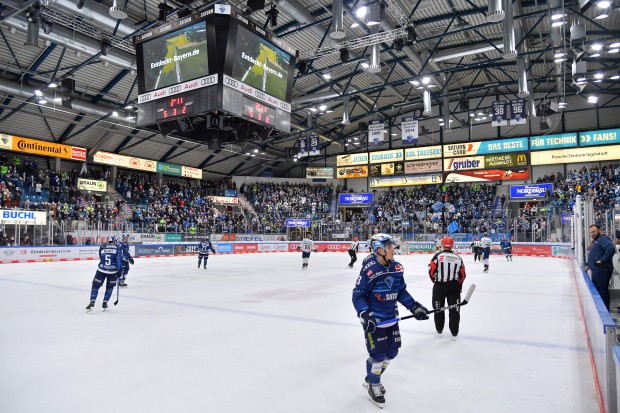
(245, 248)
(488, 175)
(544, 250)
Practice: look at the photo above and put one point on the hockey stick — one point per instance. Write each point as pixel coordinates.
(468, 295)
(118, 289)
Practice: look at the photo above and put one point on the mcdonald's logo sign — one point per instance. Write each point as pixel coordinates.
(521, 159)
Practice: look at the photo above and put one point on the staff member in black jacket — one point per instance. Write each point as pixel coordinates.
(447, 272)
(353, 250)
(600, 252)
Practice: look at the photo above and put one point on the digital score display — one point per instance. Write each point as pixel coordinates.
(258, 112)
(173, 107)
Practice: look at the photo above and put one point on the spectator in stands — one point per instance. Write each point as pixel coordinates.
(69, 239)
(26, 240)
(600, 253)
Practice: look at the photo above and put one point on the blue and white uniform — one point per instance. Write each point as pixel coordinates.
(126, 259)
(377, 291)
(306, 246)
(506, 246)
(486, 243)
(203, 252)
(110, 261)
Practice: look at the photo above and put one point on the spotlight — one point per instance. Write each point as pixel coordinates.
(79, 3)
(344, 55)
(163, 11)
(412, 36)
(48, 26)
(117, 10)
(302, 66)
(398, 44)
(273, 16)
(105, 47)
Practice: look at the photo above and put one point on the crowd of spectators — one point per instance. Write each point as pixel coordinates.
(431, 209)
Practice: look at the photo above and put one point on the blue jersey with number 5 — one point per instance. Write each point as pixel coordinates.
(110, 258)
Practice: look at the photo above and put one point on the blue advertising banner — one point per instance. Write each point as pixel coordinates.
(485, 147)
(144, 250)
(599, 137)
(230, 192)
(530, 191)
(355, 199)
(566, 217)
(556, 141)
(297, 222)
(222, 248)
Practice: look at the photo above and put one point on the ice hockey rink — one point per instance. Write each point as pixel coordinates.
(256, 333)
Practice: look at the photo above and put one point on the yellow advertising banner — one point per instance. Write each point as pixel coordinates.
(352, 172)
(44, 148)
(108, 158)
(353, 159)
(593, 154)
(406, 180)
(386, 156)
(424, 152)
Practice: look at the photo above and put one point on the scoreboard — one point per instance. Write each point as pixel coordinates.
(214, 62)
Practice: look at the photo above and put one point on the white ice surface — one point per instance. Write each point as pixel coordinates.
(255, 333)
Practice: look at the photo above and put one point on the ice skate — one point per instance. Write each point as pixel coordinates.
(454, 337)
(376, 396)
(123, 284)
(104, 305)
(90, 306)
(366, 384)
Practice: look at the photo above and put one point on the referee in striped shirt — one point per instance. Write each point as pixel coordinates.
(447, 272)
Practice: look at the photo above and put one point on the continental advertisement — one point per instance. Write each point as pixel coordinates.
(352, 159)
(405, 180)
(486, 175)
(423, 166)
(593, 154)
(36, 147)
(352, 172)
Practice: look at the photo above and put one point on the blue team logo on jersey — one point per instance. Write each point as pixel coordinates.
(389, 281)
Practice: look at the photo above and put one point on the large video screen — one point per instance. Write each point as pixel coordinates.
(260, 64)
(175, 57)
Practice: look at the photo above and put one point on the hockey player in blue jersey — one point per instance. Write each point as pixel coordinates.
(110, 256)
(126, 260)
(506, 246)
(203, 251)
(379, 287)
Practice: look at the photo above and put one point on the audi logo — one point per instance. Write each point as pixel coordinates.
(175, 89)
(144, 98)
(207, 81)
(231, 82)
(260, 95)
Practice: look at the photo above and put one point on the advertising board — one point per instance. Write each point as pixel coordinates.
(19, 216)
(352, 159)
(488, 175)
(530, 191)
(92, 185)
(583, 154)
(485, 147)
(424, 152)
(355, 199)
(423, 166)
(360, 171)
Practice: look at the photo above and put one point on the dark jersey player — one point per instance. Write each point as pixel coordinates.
(379, 287)
(110, 261)
(506, 246)
(203, 251)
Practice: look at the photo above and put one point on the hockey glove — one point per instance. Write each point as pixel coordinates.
(369, 323)
(130, 260)
(419, 312)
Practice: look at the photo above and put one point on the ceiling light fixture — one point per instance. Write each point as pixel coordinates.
(601, 16)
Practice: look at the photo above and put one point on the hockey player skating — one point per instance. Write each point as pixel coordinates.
(476, 248)
(506, 246)
(447, 272)
(126, 260)
(353, 250)
(306, 246)
(110, 257)
(203, 251)
(486, 250)
(379, 287)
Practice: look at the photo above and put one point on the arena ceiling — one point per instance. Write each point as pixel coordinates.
(456, 47)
